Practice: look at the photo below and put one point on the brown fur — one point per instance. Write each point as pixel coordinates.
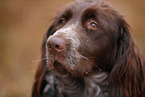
(107, 50)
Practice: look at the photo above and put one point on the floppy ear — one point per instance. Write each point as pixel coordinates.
(127, 78)
(42, 68)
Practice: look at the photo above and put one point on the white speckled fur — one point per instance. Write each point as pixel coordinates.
(71, 35)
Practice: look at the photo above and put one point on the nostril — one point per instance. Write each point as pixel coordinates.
(48, 45)
(57, 46)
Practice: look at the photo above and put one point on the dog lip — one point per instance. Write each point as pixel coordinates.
(57, 63)
(51, 66)
(60, 68)
(50, 61)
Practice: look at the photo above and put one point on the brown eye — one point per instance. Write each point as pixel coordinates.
(93, 25)
(62, 21)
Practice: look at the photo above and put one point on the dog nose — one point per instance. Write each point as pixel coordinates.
(56, 44)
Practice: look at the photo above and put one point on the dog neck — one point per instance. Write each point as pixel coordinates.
(94, 85)
(97, 84)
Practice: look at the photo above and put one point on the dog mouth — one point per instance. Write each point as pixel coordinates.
(53, 61)
(76, 65)
(59, 67)
(63, 60)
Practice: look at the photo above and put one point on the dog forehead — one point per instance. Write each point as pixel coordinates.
(87, 0)
(78, 7)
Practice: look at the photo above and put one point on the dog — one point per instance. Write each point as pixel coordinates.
(88, 51)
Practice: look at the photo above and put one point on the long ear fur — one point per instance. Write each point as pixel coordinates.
(42, 68)
(127, 78)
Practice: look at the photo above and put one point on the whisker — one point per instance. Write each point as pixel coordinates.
(39, 60)
(98, 68)
(84, 57)
(88, 60)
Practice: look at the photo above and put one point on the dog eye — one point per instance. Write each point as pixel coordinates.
(62, 21)
(93, 25)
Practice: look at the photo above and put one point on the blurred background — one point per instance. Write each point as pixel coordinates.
(22, 27)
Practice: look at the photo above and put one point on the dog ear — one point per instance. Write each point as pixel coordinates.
(42, 68)
(127, 78)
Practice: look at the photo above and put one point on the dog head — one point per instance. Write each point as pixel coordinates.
(84, 38)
